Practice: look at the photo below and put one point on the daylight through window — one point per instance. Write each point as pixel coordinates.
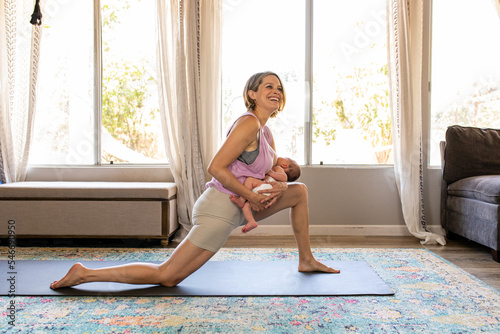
(346, 120)
(465, 70)
(97, 110)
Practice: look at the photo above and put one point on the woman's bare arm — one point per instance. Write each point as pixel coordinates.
(278, 187)
(243, 134)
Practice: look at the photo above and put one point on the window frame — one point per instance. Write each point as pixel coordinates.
(97, 90)
(72, 172)
(309, 96)
(427, 112)
(309, 82)
(98, 81)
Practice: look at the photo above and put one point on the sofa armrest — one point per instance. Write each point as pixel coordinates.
(444, 184)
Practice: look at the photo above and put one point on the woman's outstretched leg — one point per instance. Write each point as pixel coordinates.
(296, 198)
(185, 260)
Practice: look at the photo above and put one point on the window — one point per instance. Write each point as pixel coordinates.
(351, 116)
(465, 72)
(264, 35)
(97, 101)
(342, 62)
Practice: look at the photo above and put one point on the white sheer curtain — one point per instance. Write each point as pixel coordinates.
(189, 90)
(20, 47)
(405, 49)
(210, 79)
(496, 3)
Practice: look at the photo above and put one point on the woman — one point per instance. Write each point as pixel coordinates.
(247, 151)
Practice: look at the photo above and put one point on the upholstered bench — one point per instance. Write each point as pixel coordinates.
(89, 209)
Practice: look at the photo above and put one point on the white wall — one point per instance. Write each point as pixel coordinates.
(106, 173)
(358, 201)
(350, 196)
(342, 200)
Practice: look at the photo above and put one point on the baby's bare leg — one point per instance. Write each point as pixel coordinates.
(251, 223)
(247, 210)
(238, 200)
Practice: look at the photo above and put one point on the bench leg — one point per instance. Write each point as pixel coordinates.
(164, 242)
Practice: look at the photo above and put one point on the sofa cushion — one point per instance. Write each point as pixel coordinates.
(88, 190)
(471, 152)
(483, 188)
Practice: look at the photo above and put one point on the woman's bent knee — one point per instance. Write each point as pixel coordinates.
(302, 187)
(170, 279)
(171, 282)
(300, 190)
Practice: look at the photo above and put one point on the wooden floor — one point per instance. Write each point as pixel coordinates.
(470, 256)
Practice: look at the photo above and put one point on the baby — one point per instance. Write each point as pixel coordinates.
(286, 170)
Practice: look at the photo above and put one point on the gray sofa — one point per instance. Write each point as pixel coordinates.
(470, 199)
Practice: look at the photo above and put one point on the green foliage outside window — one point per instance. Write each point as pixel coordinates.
(126, 89)
(358, 100)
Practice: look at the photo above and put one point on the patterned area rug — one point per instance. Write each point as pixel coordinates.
(431, 296)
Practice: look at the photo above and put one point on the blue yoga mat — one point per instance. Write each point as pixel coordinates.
(215, 278)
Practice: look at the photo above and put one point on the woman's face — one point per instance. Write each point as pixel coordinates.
(269, 95)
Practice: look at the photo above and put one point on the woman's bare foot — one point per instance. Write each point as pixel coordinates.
(314, 265)
(75, 276)
(249, 226)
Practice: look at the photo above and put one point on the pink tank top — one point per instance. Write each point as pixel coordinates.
(258, 169)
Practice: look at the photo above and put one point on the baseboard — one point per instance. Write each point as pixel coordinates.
(335, 230)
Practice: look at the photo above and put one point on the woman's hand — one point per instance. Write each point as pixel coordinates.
(274, 193)
(258, 202)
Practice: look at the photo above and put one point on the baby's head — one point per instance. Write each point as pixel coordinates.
(291, 168)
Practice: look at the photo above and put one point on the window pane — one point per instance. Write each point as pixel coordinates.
(131, 128)
(64, 121)
(465, 68)
(351, 116)
(258, 36)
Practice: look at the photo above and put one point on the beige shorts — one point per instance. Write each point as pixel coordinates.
(214, 217)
